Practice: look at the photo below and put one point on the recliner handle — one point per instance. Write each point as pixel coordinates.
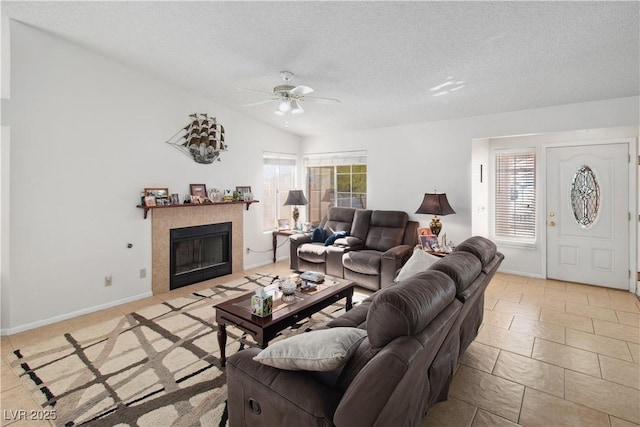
(254, 406)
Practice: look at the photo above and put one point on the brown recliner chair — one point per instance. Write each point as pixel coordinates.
(306, 255)
(378, 244)
(388, 244)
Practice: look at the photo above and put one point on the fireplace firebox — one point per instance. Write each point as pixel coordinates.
(199, 253)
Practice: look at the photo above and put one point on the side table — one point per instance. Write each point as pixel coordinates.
(276, 233)
(438, 254)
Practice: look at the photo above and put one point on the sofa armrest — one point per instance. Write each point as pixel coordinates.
(300, 238)
(283, 397)
(295, 241)
(400, 252)
(391, 261)
(350, 243)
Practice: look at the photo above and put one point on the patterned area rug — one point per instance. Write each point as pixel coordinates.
(156, 367)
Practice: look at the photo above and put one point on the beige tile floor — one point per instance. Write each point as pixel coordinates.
(548, 354)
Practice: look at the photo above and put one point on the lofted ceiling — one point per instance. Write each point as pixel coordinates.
(386, 61)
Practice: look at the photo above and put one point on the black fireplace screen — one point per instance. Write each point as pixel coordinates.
(199, 253)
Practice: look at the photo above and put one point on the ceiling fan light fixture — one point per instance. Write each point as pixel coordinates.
(296, 108)
(288, 99)
(284, 105)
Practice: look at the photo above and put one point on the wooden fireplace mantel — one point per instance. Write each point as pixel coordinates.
(194, 205)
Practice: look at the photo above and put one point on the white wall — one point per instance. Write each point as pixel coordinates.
(4, 224)
(404, 162)
(480, 187)
(4, 171)
(87, 135)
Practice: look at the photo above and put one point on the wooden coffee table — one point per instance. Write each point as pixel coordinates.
(237, 311)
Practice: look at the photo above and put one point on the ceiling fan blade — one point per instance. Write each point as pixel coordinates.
(321, 100)
(254, 90)
(253, 104)
(301, 90)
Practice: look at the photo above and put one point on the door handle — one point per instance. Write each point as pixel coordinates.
(552, 224)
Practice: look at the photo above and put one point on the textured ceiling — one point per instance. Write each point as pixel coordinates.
(381, 59)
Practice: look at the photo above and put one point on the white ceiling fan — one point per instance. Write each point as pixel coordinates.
(288, 97)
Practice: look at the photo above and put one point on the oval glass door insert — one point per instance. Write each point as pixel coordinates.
(585, 196)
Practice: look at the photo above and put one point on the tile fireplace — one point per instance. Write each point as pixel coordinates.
(163, 221)
(199, 253)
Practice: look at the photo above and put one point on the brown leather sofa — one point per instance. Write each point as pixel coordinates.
(417, 329)
(377, 245)
(480, 259)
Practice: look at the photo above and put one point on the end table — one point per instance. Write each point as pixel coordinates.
(276, 233)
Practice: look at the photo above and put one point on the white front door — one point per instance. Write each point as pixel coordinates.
(587, 218)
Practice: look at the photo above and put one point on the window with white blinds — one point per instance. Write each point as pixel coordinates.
(515, 195)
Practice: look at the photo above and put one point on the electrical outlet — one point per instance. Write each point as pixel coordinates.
(108, 280)
(143, 273)
(248, 250)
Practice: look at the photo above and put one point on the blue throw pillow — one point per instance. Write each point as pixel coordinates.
(335, 236)
(318, 235)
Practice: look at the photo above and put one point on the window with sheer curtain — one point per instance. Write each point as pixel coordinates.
(515, 195)
(279, 171)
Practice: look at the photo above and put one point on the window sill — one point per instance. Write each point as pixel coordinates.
(516, 244)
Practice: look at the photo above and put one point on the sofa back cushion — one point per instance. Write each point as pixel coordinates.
(386, 230)
(411, 233)
(436, 290)
(338, 219)
(408, 307)
(483, 248)
(361, 224)
(461, 267)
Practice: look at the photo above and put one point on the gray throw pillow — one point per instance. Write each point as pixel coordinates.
(321, 350)
(420, 261)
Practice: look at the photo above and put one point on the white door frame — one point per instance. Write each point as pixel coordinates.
(633, 199)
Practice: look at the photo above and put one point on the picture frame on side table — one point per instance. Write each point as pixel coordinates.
(429, 243)
(198, 190)
(283, 224)
(424, 231)
(160, 195)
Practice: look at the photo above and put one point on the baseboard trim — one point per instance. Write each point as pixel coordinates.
(54, 319)
(520, 273)
(263, 263)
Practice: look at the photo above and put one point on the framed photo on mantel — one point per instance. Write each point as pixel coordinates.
(160, 196)
(198, 190)
(245, 192)
(149, 201)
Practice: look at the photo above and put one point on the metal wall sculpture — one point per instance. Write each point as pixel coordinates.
(202, 139)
